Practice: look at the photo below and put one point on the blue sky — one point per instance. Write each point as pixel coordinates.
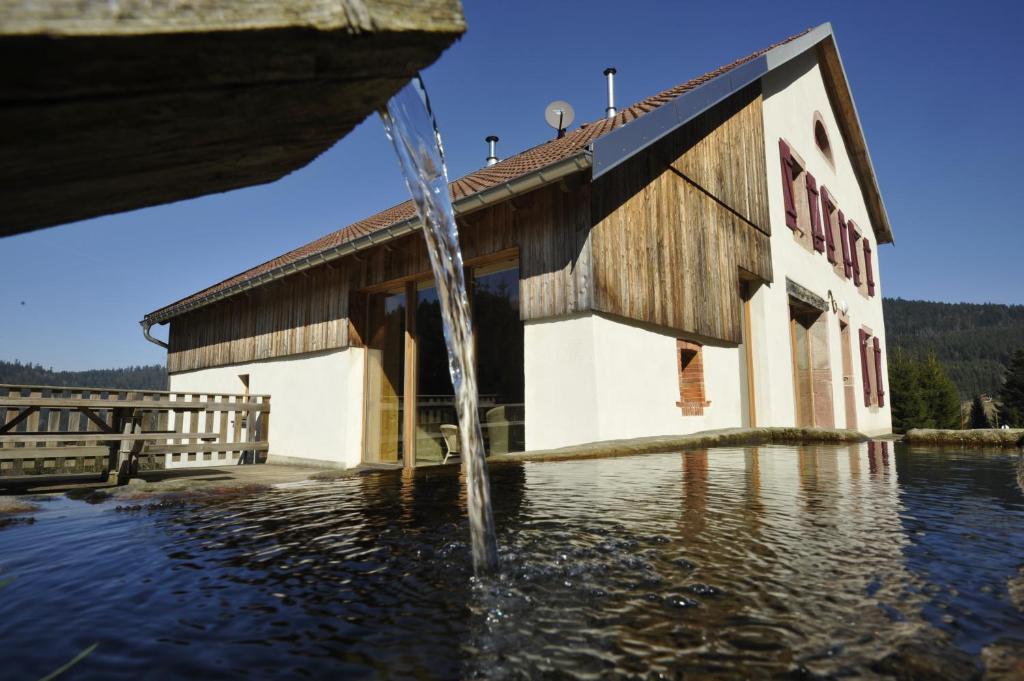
(937, 85)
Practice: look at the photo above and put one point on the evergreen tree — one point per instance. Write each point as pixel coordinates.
(907, 400)
(1012, 393)
(979, 419)
(940, 394)
(152, 377)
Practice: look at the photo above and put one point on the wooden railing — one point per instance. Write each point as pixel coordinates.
(53, 430)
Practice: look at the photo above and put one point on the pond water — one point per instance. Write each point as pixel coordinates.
(770, 561)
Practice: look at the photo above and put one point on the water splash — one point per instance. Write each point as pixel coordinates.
(410, 125)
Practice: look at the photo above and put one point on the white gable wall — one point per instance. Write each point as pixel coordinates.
(316, 401)
(792, 94)
(591, 377)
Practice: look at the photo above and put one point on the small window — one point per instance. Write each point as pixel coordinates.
(869, 269)
(854, 235)
(821, 137)
(872, 369)
(690, 359)
(795, 194)
(830, 223)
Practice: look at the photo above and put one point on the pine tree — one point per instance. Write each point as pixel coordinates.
(1012, 393)
(907, 399)
(979, 419)
(940, 394)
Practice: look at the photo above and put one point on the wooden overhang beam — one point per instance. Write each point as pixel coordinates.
(113, 106)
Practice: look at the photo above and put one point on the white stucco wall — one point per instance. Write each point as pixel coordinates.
(592, 377)
(792, 95)
(316, 401)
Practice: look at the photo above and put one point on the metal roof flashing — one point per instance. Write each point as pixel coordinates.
(628, 140)
(624, 142)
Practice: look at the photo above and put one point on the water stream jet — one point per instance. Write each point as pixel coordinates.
(410, 125)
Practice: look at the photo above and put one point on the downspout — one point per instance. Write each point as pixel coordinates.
(146, 325)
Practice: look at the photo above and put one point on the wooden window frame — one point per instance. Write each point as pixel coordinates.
(854, 234)
(798, 198)
(869, 267)
(874, 393)
(829, 222)
(813, 203)
(845, 242)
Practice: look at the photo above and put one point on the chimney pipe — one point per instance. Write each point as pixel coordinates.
(609, 111)
(492, 157)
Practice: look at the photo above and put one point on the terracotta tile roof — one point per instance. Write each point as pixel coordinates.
(508, 169)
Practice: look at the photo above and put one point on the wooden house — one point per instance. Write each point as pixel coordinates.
(705, 258)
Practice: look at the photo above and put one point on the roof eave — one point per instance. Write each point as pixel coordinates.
(536, 179)
(853, 136)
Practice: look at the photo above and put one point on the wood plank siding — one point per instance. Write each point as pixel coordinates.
(659, 240)
(309, 312)
(674, 226)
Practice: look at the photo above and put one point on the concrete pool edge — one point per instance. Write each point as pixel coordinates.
(666, 443)
(988, 437)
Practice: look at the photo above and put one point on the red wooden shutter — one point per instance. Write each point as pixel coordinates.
(787, 184)
(844, 241)
(826, 218)
(869, 268)
(864, 372)
(812, 202)
(854, 261)
(879, 389)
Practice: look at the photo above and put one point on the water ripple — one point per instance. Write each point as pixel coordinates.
(765, 562)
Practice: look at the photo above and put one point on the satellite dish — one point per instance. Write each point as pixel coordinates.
(559, 115)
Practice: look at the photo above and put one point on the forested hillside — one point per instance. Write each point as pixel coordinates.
(974, 342)
(152, 377)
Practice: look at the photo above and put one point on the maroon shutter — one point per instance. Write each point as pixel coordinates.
(868, 268)
(787, 184)
(812, 202)
(854, 261)
(844, 241)
(879, 390)
(864, 373)
(826, 218)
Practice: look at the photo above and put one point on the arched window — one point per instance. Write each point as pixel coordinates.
(821, 137)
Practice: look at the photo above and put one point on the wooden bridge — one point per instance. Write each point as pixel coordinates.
(111, 433)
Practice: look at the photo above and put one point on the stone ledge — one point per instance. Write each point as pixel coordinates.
(668, 443)
(989, 437)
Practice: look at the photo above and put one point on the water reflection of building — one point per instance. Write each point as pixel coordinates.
(627, 279)
(809, 537)
(805, 544)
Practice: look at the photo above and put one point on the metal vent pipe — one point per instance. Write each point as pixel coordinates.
(492, 156)
(609, 73)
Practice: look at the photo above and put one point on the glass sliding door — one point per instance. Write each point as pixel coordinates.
(435, 397)
(385, 377)
(499, 356)
(409, 394)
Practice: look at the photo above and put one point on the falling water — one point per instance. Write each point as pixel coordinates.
(410, 126)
